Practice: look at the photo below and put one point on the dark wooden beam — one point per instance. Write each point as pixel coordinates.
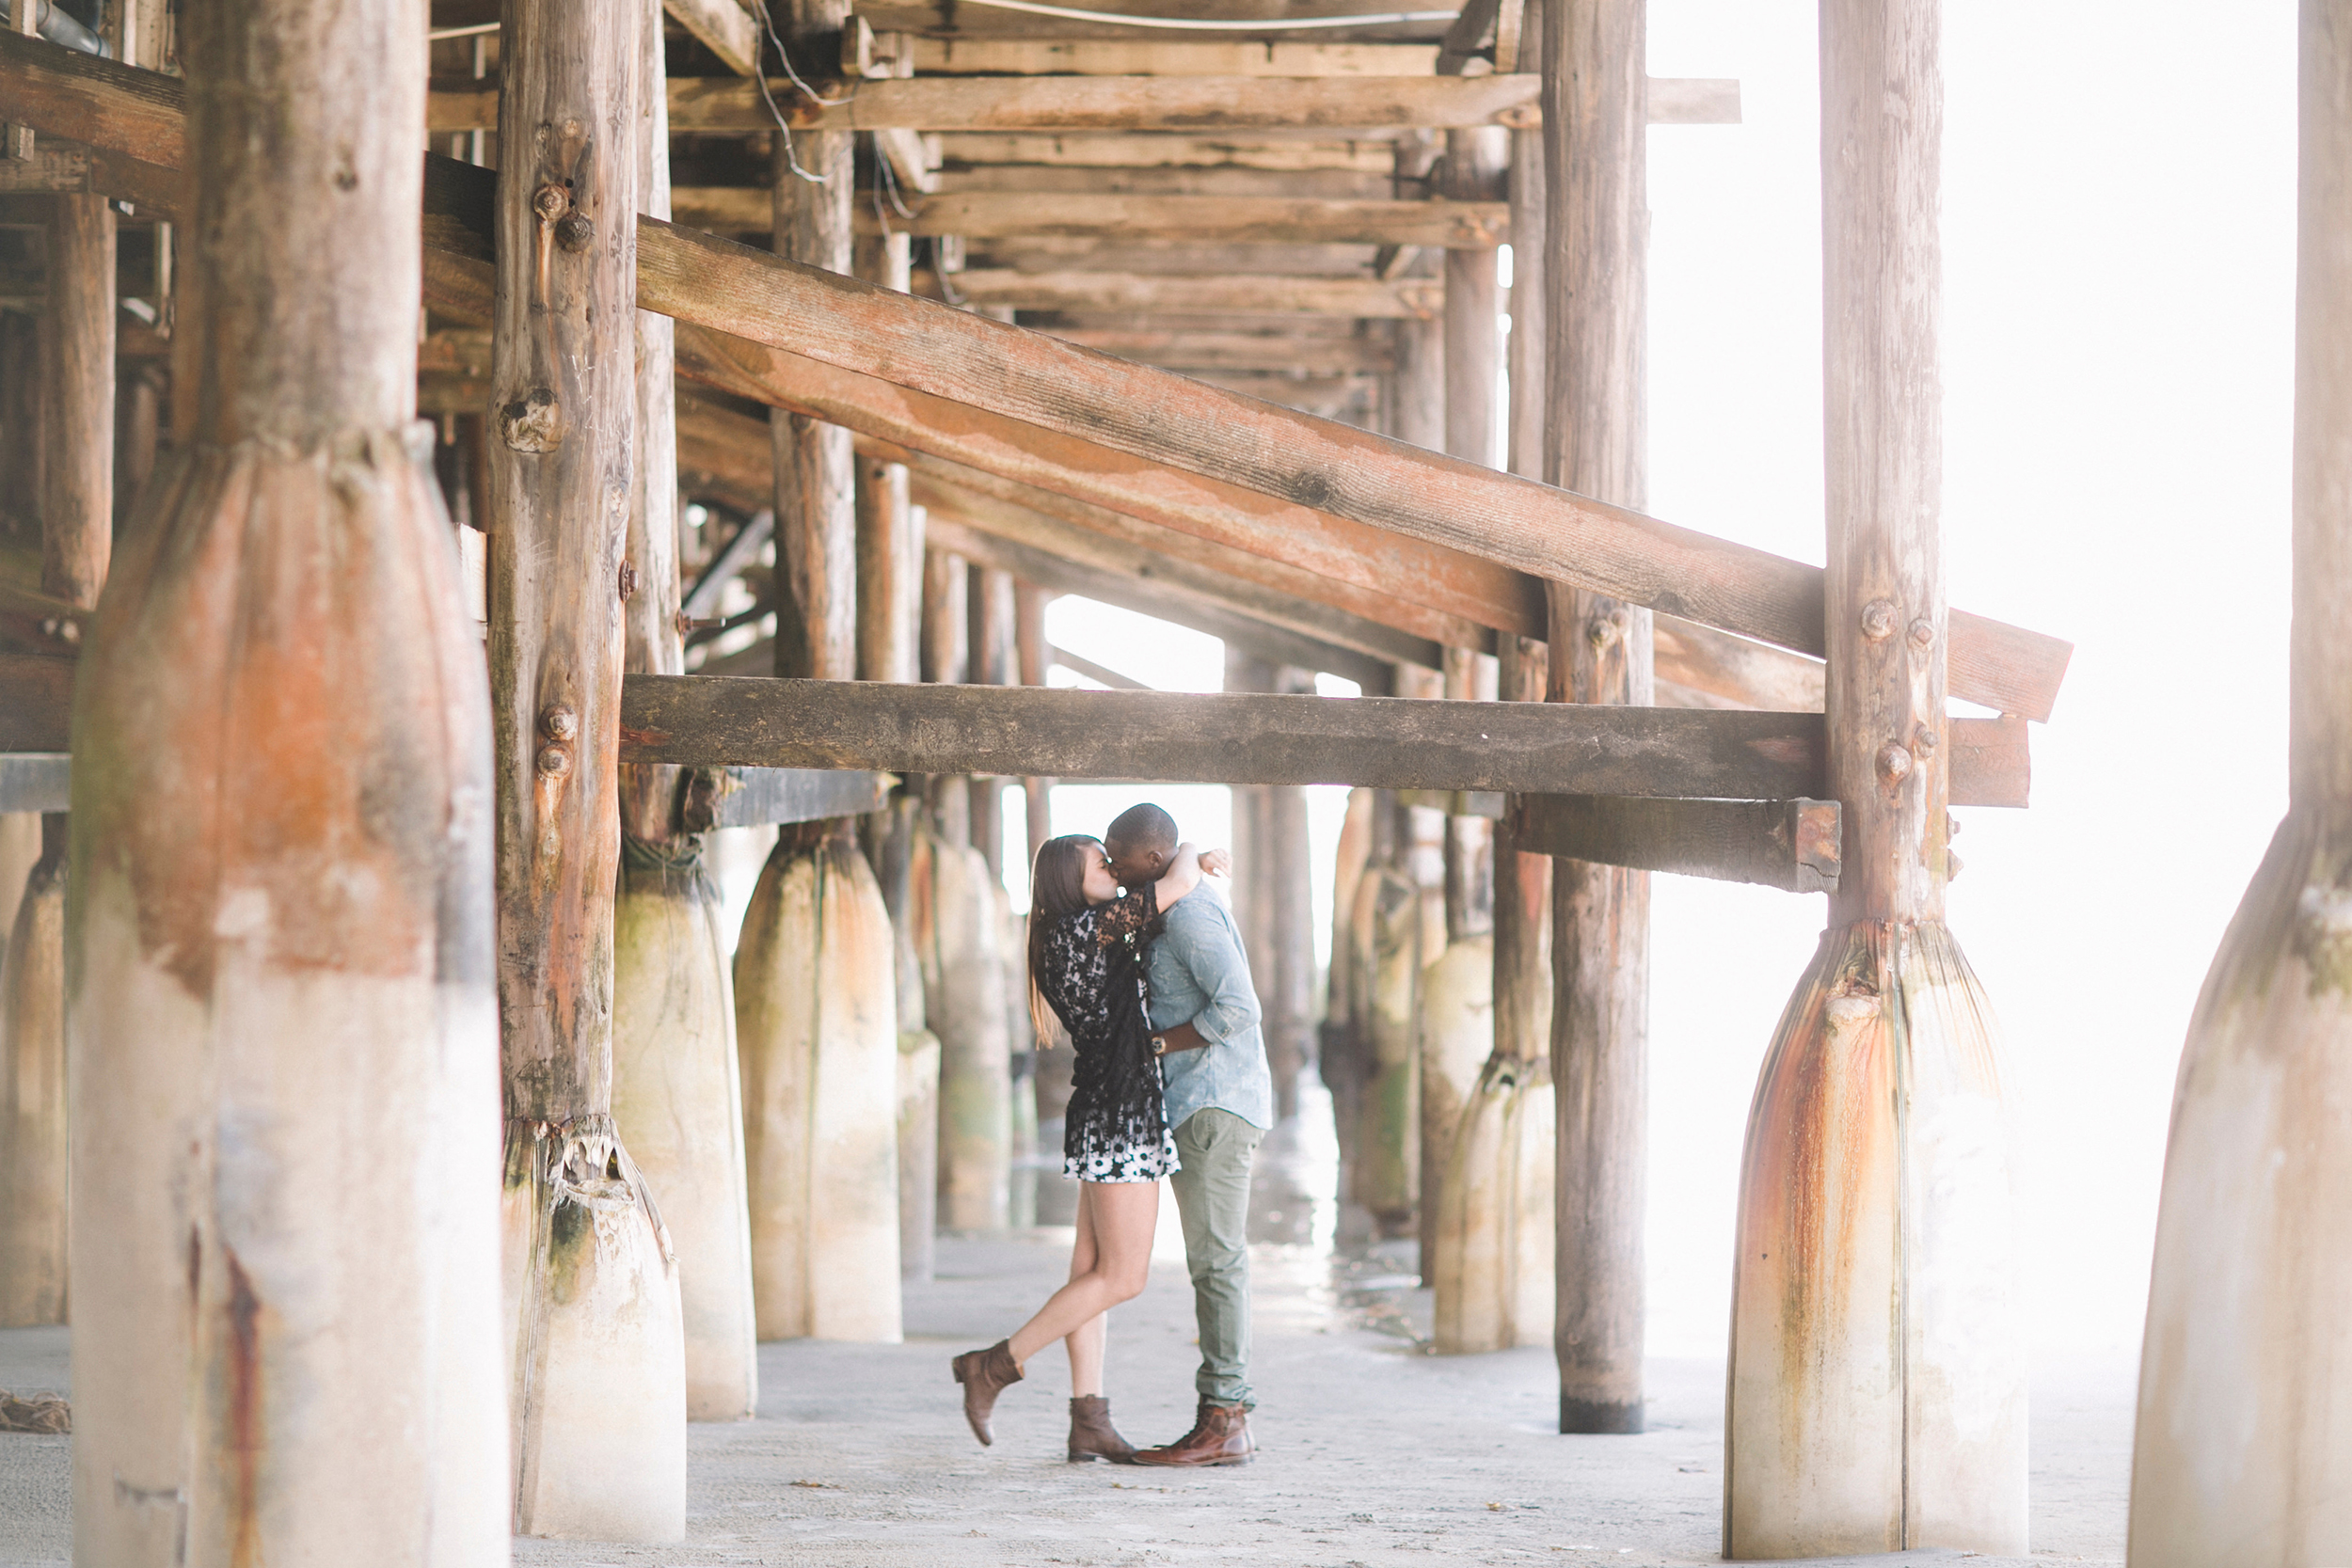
(1219, 737)
(1790, 845)
(761, 796)
(1095, 215)
(36, 703)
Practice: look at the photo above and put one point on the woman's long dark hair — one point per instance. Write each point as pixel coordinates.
(1057, 889)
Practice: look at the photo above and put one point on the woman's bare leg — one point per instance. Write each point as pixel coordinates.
(1086, 1341)
(1123, 1216)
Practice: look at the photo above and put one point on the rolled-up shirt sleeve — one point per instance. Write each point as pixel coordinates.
(1223, 973)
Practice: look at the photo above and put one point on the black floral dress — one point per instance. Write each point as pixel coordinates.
(1116, 1125)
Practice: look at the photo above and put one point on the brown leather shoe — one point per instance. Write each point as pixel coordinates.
(1091, 1434)
(1219, 1435)
(985, 1374)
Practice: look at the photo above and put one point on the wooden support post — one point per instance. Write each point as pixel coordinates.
(596, 1328)
(677, 1097)
(889, 624)
(77, 390)
(1416, 389)
(1876, 1396)
(1594, 264)
(815, 969)
(988, 605)
(945, 628)
(2241, 1451)
(1033, 653)
(283, 1011)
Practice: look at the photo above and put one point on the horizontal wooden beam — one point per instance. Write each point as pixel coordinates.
(1209, 219)
(1221, 738)
(1370, 298)
(1162, 600)
(1991, 762)
(1790, 845)
(1194, 106)
(1237, 351)
(1167, 421)
(1371, 155)
(1161, 53)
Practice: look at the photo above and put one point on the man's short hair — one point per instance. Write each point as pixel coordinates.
(1145, 829)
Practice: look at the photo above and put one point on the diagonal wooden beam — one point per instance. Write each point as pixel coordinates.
(1148, 416)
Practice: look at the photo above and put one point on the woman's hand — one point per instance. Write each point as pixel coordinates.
(1216, 863)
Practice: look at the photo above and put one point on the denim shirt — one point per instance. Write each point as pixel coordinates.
(1200, 975)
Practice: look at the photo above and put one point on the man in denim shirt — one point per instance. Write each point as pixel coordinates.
(1220, 1101)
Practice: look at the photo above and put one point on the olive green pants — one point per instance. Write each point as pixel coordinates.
(1212, 1199)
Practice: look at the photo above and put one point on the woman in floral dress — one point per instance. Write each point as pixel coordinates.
(1085, 972)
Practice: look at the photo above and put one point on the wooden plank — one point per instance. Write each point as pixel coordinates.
(1279, 220)
(1182, 606)
(35, 781)
(1370, 298)
(1176, 102)
(85, 99)
(758, 796)
(1192, 104)
(1991, 762)
(1167, 421)
(1790, 845)
(1075, 150)
(1004, 517)
(38, 712)
(1163, 54)
(1236, 351)
(1219, 737)
(723, 27)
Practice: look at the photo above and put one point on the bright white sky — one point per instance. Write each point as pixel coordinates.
(2118, 351)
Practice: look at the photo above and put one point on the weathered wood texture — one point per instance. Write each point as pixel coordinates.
(1877, 1185)
(1596, 267)
(279, 927)
(1267, 219)
(1153, 415)
(78, 381)
(1790, 845)
(36, 714)
(808, 210)
(889, 565)
(35, 1155)
(725, 27)
(1173, 103)
(1222, 738)
(2242, 1451)
(594, 1303)
(1367, 298)
(1235, 351)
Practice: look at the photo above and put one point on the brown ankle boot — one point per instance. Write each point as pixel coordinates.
(985, 1374)
(1091, 1434)
(1220, 1435)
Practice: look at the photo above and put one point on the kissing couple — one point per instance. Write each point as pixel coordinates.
(1142, 967)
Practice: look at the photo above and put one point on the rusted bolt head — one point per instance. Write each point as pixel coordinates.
(555, 761)
(1922, 633)
(1878, 620)
(1923, 741)
(1894, 761)
(628, 579)
(559, 723)
(574, 233)
(550, 202)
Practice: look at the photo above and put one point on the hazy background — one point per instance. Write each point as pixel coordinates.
(2119, 295)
